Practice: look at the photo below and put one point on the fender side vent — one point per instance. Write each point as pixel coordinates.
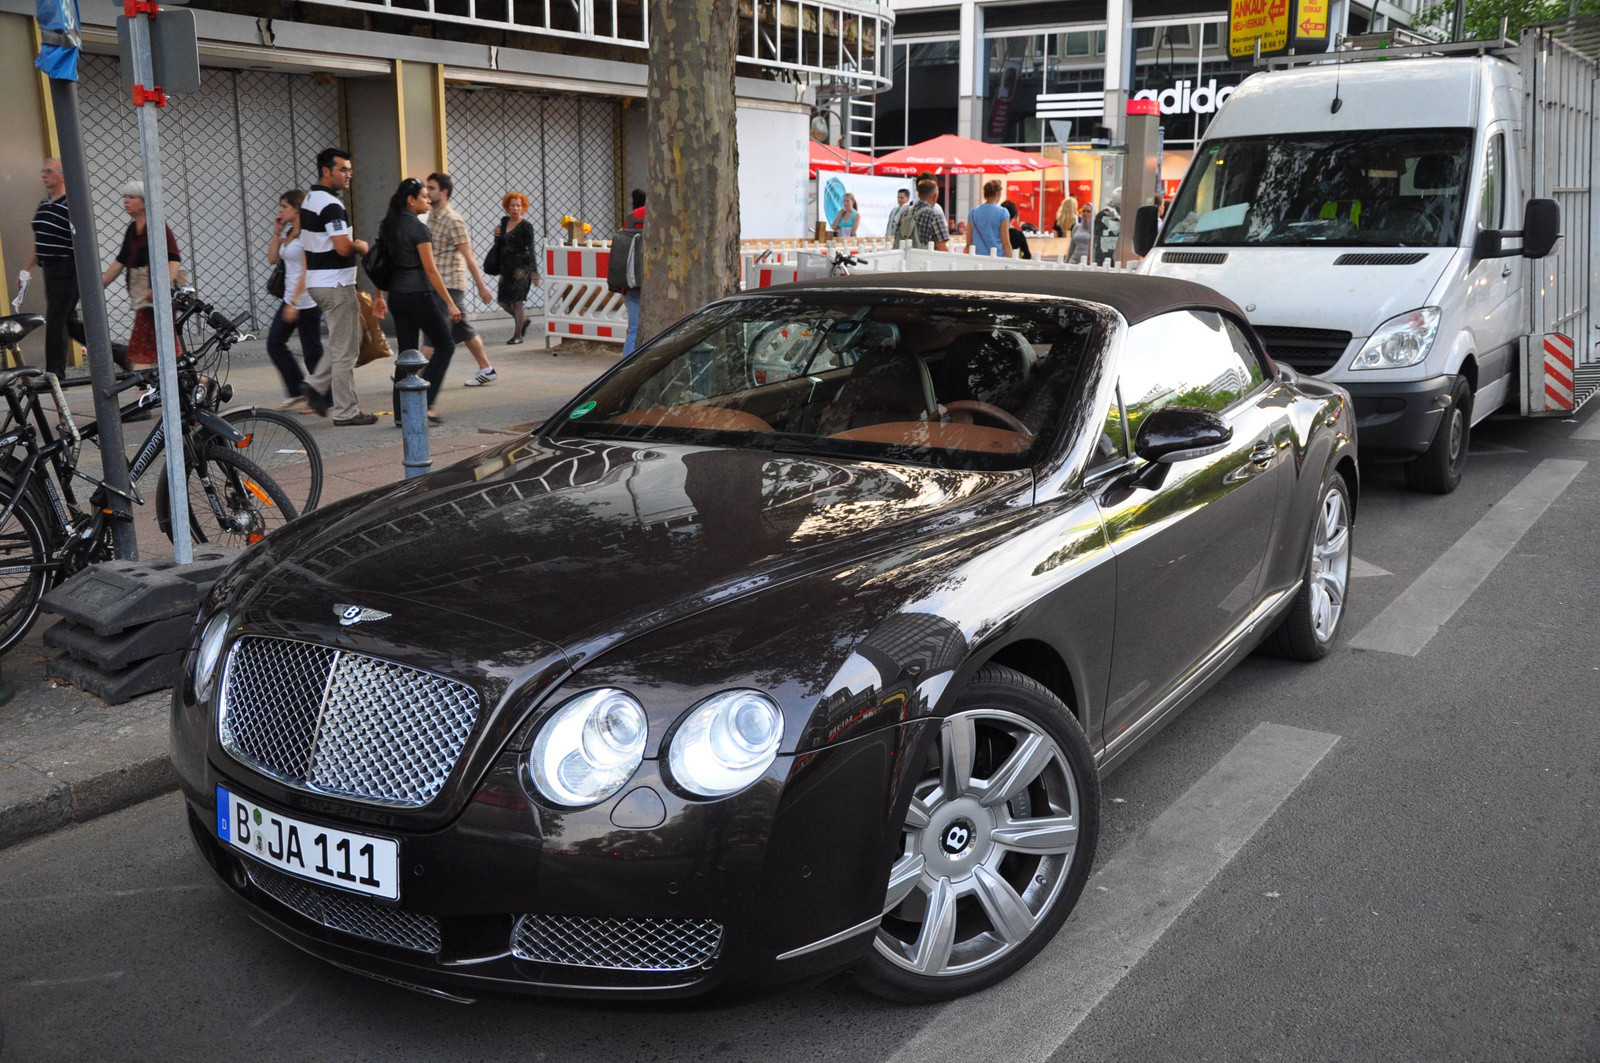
(1195, 258)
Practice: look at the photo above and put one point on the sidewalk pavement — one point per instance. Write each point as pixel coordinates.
(66, 756)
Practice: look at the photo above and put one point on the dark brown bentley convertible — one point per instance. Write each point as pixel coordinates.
(795, 644)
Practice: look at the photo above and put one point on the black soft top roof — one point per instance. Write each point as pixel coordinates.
(1134, 296)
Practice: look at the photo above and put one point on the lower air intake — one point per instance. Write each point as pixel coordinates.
(347, 914)
(617, 944)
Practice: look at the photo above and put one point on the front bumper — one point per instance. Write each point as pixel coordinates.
(792, 861)
(1398, 418)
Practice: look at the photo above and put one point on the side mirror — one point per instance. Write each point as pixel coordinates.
(1175, 433)
(1146, 223)
(1541, 227)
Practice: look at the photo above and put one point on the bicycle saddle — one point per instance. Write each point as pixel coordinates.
(17, 326)
(11, 376)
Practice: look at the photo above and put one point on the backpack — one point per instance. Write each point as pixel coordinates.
(625, 270)
(905, 230)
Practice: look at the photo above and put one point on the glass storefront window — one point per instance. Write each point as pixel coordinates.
(933, 74)
(1016, 68)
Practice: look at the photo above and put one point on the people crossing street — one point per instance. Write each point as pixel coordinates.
(331, 249)
(52, 253)
(452, 253)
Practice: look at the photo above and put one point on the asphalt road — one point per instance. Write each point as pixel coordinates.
(1401, 865)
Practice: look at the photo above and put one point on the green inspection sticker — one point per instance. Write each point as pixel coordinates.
(581, 410)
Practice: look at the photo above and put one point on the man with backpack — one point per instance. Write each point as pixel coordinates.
(625, 274)
(924, 225)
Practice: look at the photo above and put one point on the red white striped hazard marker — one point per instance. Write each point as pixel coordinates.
(1558, 375)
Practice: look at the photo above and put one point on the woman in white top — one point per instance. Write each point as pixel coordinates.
(297, 311)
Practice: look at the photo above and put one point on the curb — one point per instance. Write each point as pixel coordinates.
(53, 804)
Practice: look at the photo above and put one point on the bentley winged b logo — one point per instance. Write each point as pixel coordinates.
(358, 614)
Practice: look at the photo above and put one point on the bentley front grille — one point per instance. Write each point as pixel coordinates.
(617, 944)
(347, 914)
(342, 723)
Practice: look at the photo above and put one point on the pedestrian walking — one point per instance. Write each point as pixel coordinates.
(924, 225)
(331, 249)
(1082, 234)
(902, 200)
(416, 295)
(514, 237)
(52, 253)
(1019, 239)
(452, 254)
(625, 274)
(636, 216)
(988, 225)
(297, 312)
(1066, 216)
(848, 217)
(133, 264)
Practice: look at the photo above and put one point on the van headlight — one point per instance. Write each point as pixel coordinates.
(726, 743)
(209, 656)
(1400, 341)
(589, 748)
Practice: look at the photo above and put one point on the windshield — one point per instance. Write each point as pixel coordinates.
(926, 379)
(1402, 188)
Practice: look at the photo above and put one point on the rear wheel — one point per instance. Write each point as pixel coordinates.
(1438, 470)
(996, 845)
(284, 448)
(231, 500)
(24, 553)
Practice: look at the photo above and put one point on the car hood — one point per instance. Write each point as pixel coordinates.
(585, 543)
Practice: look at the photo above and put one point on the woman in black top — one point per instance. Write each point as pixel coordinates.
(1019, 241)
(417, 296)
(517, 271)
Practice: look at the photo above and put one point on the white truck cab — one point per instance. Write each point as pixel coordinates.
(1384, 226)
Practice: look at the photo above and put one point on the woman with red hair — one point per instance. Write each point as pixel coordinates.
(518, 271)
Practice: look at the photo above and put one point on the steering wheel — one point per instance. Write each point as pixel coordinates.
(987, 409)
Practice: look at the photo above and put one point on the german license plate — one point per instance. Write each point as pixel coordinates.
(333, 857)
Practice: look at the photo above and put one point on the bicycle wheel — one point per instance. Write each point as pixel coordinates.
(232, 502)
(285, 449)
(24, 552)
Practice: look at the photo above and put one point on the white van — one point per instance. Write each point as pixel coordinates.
(1386, 226)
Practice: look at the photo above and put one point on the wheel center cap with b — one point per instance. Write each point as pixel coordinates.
(958, 837)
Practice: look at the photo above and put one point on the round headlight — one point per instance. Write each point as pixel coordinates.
(589, 748)
(727, 742)
(209, 655)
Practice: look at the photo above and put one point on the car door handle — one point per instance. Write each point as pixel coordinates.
(1262, 454)
(1506, 272)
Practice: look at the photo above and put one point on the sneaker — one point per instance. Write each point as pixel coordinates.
(485, 376)
(315, 399)
(358, 419)
(289, 404)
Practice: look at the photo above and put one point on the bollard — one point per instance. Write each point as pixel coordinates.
(412, 409)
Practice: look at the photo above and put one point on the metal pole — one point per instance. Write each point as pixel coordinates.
(86, 257)
(160, 283)
(413, 411)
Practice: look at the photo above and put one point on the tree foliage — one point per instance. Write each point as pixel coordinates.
(1483, 16)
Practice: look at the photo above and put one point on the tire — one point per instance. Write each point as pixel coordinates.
(1438, 470)
(1311, 627)
(253, 503)
(284, 448)
(22, 542)
(1003, 898)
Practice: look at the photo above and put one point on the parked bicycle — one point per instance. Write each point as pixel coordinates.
(46, 535)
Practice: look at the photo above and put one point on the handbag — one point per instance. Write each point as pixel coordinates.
(374, 345)
(491, 261)
(379, 266)
(278, 281)
(139, 287)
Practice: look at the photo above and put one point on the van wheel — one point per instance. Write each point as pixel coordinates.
(1438, 470)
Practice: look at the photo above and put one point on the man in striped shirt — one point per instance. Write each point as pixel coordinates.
(331, 253)
(52, 250)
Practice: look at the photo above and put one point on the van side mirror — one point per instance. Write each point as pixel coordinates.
(1541, 227)
(1146, 223)
(1177, 433)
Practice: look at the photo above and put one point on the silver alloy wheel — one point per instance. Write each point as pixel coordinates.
(1330, 565)
(984, 858)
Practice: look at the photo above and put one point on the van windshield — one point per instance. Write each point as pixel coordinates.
(1399, 188)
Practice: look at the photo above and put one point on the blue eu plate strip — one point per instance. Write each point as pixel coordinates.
(224, 813)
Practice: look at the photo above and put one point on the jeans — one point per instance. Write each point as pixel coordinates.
(60, 312)
(309, 325)
(631, 297)
(337, 372)
(422, 314)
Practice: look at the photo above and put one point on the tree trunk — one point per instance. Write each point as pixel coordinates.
(691, 252)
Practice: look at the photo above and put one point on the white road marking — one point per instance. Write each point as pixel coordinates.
(1481, 449)
(285, 1002)
(1360, 569)
(50, 983)
(1130, 904)
(1589, 429)
(1411, 620)
(79, 895)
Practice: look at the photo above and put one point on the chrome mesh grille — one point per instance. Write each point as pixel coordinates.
(617, 944)
(347, 914)
(343, 723)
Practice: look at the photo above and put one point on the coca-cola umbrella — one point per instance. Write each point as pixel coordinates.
(830, 157)
(951, 154)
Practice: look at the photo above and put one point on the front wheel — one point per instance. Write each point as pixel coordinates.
(283, 448)
(1438, 470)
(231, 500)
(24, 570)
(996, 845)
(1309, 629)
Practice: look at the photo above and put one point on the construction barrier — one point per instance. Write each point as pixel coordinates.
(576, 299)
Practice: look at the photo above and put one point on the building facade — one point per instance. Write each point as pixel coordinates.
(545, 97)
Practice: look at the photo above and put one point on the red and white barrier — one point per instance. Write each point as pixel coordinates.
(576, 300)
(1559, 377)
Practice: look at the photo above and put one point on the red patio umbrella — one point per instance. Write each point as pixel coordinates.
(829, 157)
(952, 154)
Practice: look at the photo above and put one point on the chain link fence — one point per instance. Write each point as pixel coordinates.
(559, 151)
(227, 153)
